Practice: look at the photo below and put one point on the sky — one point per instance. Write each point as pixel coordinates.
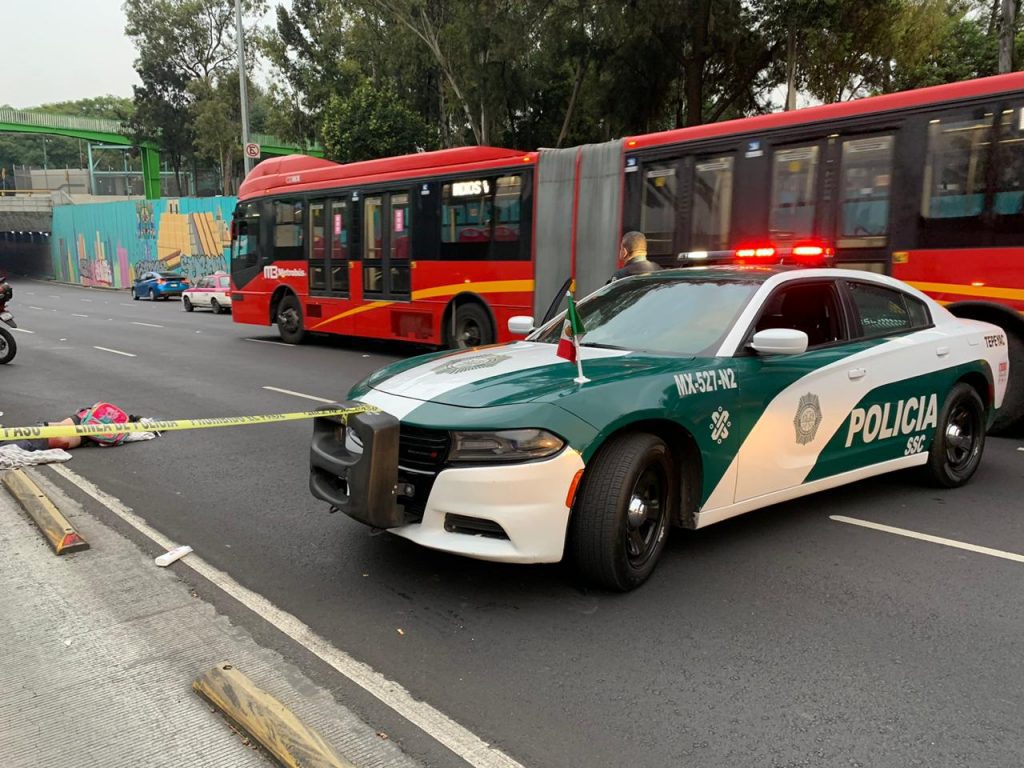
(60, 50)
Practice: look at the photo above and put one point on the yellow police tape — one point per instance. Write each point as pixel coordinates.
(71, 430)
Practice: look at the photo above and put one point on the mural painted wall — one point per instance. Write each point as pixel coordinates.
(107, 244)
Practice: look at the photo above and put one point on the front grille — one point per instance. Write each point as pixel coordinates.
(422, 453)
(422, 450)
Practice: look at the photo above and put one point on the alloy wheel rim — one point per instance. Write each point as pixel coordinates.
(962, 433)
(645, 513)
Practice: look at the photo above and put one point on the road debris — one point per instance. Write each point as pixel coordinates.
(172, 555)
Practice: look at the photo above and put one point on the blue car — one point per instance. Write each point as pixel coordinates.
(159, 285)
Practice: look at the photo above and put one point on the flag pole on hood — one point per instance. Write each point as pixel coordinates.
(569, 342)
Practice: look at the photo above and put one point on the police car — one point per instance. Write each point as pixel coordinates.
(708, 392)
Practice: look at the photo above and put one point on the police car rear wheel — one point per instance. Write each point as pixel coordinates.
(959, 440)
(621, 520)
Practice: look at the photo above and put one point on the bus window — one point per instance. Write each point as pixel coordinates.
(1009, 192)
(338, 272)
(401, 227)
(246, 236)
(480, 219)
(658, 208)
(794, 192)
(317, 271)
(956, 169)
(712, 204)
(373, 275)
(507, 216)
(288, 230)
(865, 188)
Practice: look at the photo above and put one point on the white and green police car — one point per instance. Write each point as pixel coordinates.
(711, 392)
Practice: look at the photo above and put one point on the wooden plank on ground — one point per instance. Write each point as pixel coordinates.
(55, 527)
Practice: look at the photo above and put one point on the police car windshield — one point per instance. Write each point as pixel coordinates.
(664, 316)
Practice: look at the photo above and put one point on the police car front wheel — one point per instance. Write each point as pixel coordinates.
(960, 438)
(621, 519)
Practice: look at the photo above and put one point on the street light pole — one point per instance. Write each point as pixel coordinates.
(243, 95)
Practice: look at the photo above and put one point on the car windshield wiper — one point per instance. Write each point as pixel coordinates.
(599, 345)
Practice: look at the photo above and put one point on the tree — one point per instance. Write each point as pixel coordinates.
(372, 122)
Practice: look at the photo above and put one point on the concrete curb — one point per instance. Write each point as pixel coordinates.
(54, 526)
(266, 719)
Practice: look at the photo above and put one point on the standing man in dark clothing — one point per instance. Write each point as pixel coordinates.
(633, 256)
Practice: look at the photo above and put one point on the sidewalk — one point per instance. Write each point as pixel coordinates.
(99, 652)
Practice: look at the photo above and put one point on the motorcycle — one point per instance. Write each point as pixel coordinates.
(8, 347)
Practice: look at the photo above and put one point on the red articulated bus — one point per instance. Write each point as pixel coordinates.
(432, 247)
(926, 185)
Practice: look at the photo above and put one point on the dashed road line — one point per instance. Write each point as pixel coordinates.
(88, 301)
(268, 341)
(39, 308)
(22, 330)
(928, 537)
(115, 351)
(148, 325)
(75, 314)
(299, 394)
(459, 739)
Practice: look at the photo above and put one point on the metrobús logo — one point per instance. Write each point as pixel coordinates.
(273, 272)
(880, 422)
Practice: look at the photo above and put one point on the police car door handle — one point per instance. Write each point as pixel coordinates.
(942, 351)
(857, 373)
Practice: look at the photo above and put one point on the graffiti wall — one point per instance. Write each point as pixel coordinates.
(107, 244)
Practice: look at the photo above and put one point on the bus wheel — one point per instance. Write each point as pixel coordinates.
(289, 320)
(1010, 417)
(471, 327)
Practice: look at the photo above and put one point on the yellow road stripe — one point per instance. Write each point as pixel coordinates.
(488, 286)
(991, 292)
(72, 430)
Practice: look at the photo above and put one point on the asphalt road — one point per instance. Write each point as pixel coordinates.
(780, 638)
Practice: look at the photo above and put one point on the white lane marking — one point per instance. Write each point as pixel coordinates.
(928, 537)
(460, 740)
(148, 325)
(127, 304)
(22, 330)
(39, 308)
(115, 351)
(75, 314)
(299, 394)
(89, 301)
(267, 341)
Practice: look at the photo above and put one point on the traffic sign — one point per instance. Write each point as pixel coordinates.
(252, 149)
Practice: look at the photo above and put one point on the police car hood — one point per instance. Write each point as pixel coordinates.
(508, 374)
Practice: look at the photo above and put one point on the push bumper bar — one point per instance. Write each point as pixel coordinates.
(357, 473)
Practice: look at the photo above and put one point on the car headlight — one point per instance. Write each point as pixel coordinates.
(504, 445)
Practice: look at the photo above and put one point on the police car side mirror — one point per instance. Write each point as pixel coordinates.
(520, 325)
(779, 341)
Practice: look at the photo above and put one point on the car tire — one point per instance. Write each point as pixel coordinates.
(135, 296)
(152, 294)
(289, 320)
(620, 522)
(470, 327)
(1010, 417)
(186, 304)
(959, 438)
(215, 306)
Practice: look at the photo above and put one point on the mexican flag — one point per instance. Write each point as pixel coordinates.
(569, 343)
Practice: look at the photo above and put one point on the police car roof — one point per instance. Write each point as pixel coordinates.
(747, 272)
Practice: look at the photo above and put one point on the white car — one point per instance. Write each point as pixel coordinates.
(213, 291)
(705, 393)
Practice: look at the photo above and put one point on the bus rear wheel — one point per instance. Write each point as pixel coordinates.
(289, 321)
(1010, 417)
(469, 327)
